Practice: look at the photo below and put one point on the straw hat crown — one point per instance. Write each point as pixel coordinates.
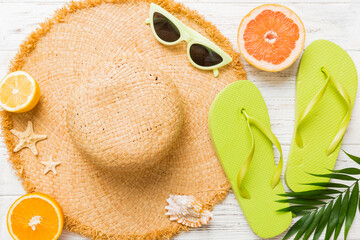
(124, 114)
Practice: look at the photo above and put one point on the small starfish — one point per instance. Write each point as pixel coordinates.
(28, 139)
(50, 166)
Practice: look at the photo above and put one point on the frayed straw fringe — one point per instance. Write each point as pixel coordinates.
(30, 43)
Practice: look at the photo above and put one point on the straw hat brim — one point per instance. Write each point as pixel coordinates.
(106, 205)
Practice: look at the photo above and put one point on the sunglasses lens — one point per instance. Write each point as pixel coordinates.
(165, 29)
(204, 56)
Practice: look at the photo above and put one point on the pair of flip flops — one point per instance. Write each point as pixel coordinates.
(240, 130)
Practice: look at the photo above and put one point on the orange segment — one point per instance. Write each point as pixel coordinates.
(19, 92)
(271, 37)
(35, 216)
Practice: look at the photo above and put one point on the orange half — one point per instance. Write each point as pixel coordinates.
(35, 216)
(271, 37)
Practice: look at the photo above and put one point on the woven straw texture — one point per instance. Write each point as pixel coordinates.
(125, 115)
(145, 104)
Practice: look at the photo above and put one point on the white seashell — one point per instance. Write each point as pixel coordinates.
(187, 211)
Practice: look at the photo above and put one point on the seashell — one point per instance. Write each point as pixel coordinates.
(187, 211)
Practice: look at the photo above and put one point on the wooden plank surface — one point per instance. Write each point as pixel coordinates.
(335, 20)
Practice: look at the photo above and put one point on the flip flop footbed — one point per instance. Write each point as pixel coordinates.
(232, 141)
(320, 126)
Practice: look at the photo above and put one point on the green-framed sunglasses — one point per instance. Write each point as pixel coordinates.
(169, 30)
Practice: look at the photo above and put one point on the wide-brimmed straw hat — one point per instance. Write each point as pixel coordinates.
(125, 115)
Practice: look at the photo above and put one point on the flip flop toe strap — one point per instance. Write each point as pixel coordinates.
(245, 166)
(343, 126)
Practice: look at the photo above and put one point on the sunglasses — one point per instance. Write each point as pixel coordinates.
(201, 52)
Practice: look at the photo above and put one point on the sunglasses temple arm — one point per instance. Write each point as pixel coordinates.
(216, 72)
(147, 21)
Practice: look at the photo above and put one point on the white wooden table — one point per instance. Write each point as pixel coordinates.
(334, 20)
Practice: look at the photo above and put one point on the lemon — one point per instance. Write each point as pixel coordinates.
(19, 92)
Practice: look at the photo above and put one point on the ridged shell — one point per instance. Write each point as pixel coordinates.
(187, 211)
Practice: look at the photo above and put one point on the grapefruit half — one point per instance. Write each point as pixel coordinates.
(271, 37)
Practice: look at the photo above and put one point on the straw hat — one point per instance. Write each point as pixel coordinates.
(125, 115)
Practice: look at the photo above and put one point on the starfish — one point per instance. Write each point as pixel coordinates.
(50, 166)
(28, 139)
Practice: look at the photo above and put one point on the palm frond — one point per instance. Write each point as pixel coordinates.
(326, 208)
(352, 171)
(311, 228)
(321, 226)
(333, 219)
(337, 176)
(296, 209)
(301, 201)
(301, 213)
(351, 211)
(327, 185)
(352, 157)
(343, 210)
(311, 193)
(305, 225)
(296, 227)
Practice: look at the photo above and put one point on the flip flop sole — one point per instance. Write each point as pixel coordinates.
(321, 124)
(232, 141)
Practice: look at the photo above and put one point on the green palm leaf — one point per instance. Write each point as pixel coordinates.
(301, 213)
(301, 201)
(335, 176)
(334, 218)
(351, 211)
(296, 209)
(305, 225)
(314, 223)
(311, 193)
(327, 207)
(359, 202)
(296, 227)
(323, 221)
(342, 216)
(327, 184)
(352, 171)
(354, 158)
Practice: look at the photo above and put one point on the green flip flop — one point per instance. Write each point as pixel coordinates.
(240, 131)
(326, 87)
